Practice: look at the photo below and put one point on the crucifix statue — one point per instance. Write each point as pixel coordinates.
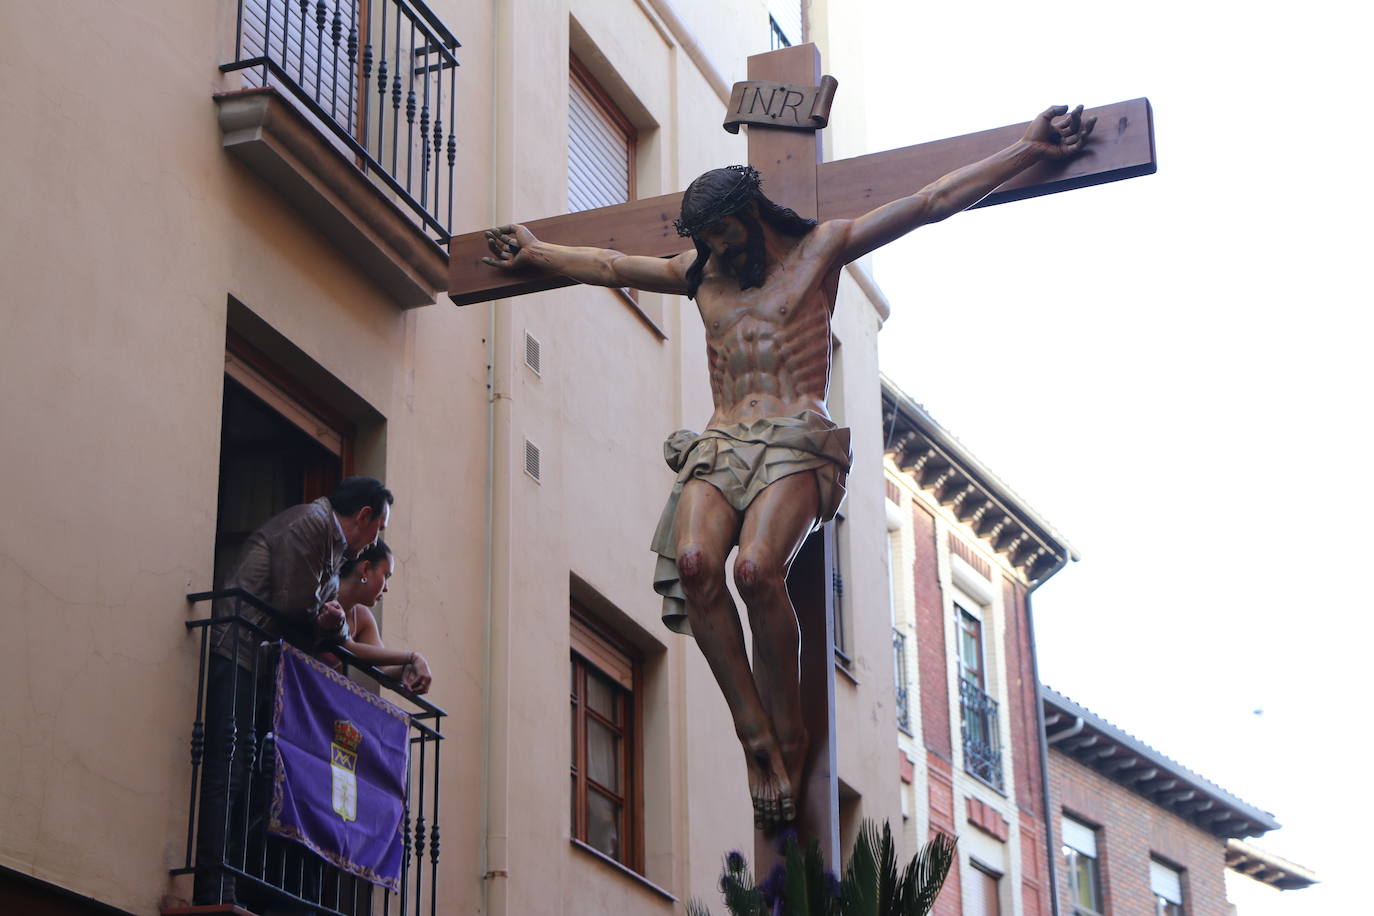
(760, 249)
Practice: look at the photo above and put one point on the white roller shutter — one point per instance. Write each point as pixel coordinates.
(1166, 883)
(1080, 837)
(599, 151)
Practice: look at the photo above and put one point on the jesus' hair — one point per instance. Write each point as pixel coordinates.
(714, 196)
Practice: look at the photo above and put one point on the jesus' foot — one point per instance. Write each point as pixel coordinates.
(770, 786)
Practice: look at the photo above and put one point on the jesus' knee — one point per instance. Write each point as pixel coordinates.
(701, 573)
(760, 583)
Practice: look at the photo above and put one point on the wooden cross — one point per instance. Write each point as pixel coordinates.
(795, 176)
(1122, 146)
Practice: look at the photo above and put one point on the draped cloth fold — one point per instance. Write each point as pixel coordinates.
(740, 460)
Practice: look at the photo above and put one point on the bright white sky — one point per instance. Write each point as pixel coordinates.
(1173, 371)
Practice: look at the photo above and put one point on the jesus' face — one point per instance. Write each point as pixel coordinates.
(737, 245)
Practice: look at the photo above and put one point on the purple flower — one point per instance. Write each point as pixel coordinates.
(772, 886)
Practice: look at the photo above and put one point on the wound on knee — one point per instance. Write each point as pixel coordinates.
(692, 566)
(751, 578)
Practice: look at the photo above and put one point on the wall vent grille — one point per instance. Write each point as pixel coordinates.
(532, 459)
(532, 353)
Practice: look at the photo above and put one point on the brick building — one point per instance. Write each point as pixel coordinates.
(1131, 832)
(1138, 832)
(965, 553)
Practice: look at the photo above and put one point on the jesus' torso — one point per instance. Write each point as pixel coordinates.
(768, 347)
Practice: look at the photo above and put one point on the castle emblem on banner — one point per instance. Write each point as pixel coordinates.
(343, 766)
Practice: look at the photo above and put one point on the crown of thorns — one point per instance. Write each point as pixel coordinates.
(730, 202)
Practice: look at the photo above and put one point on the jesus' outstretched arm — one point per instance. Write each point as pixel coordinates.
(1055, 134)
(516, 248)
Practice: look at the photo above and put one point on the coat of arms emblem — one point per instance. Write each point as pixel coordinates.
(343, 765)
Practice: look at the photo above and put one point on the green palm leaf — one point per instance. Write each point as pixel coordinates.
(859, 889)
(871, 886)
(925, 875)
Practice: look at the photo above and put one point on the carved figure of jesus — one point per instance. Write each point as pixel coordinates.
(771, 465)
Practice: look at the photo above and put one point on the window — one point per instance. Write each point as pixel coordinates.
(970, 648)
(601, 146)
(978, 710)
(604, 687)
(985, 897)
(1166, 884)
(837, 587)
(1080, 861)
(280, 445)
(777, 40)
(784, 23)
(902, 679)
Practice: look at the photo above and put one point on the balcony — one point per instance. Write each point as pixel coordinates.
(230, 839)
(349, 110)
(982, 744)
(901, 679)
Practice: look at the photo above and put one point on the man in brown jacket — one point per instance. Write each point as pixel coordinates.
(291, 564)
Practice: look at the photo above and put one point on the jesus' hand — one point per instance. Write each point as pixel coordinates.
(508, 244)
(1058, 133)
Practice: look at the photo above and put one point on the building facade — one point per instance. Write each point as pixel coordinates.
(263, 190)
(1057, 811)
(965, 554)
(1138, 832)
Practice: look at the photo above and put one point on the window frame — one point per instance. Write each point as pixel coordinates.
(1070, 855)
(993, 879)
(1163, 905)
(594, 649)
(963, 617)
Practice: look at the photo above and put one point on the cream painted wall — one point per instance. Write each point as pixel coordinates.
(136, 229)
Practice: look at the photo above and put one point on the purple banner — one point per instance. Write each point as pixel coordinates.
(342, 755)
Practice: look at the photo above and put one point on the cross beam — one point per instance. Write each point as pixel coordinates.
(1122, 146)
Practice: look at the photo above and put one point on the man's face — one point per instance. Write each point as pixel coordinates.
(368, 526)
(728, 239)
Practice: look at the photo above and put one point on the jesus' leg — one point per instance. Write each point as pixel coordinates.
(707, 526)
(776, 524)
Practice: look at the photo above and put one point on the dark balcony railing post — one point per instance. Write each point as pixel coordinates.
(452, 141)
(364, 91)
(405, 845)
(267, 32)
(420, 830)
(335, 37)
(396, 92)
(352, 60)
(197, 743)
(320, 19)
(434, 829)
(424, 121)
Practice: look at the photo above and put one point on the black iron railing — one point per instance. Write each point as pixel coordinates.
(982, 744)
(380, 75)
(900, 677)
(228, 849)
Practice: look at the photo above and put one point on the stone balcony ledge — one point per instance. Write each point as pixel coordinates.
(269, 135)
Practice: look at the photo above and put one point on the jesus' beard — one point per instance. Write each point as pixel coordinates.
(756, 260)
